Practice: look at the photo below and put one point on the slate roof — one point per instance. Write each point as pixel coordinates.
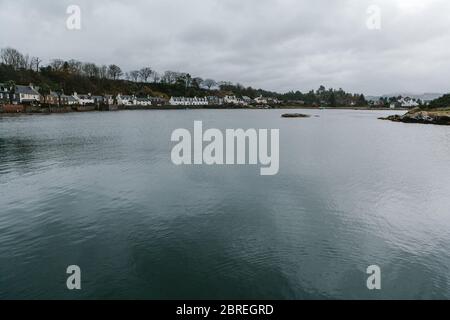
(25, 90)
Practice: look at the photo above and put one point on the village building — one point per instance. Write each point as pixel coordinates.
(71, 100)
(108, 100)
(4, 93)
(55, 99)
(125, 100)
(84, 99)
(235, 100)
(241, 102)
(408, 102)
(144, 102)
(98, 100)
(273, 101)
(27, 94)
(157, 101)
(230, 100)
(247, 100)
(261, 100)
(183, 101)
(215, 101)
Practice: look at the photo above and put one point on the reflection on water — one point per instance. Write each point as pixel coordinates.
(99, 190)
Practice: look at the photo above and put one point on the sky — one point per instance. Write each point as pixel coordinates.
(369, 46)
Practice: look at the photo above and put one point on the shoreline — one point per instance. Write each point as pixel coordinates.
(436, 117)
(45, 111)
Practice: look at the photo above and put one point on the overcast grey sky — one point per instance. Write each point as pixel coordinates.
(273, 44)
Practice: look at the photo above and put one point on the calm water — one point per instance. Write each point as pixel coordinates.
(99, 190)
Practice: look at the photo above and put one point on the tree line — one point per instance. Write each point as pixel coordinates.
(77, 76)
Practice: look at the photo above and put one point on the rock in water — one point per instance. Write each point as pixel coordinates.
(295, 115)
(436, 117)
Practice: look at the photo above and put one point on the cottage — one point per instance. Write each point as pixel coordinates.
(242, 102)
(183, 101)
(230, 100)
(84, 99)
(157, 101)
(108, 100)
(261, 100)
(215, 101)
(71, 100)
(126, 100)
(4, 93)
(235, 100)
(144, 102)
(55, 98)
(27, 94)
(247, 100)
(99, 100)
(408, 102)
(273, 101)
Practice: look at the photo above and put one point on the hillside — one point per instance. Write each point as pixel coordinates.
(81, 77)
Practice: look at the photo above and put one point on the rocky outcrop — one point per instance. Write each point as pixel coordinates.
(421, 116)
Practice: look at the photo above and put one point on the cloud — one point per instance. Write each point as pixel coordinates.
(275, 44)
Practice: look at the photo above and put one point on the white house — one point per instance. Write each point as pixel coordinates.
(183, 101)
(27, 94)
(273, 100)
(108, 99)
(84, 99)
(235, 100)
(216, 101)
(261, 100)
(71, 100)
(408, 103)
(4, 93)
(231, 100)
(126, 100)
(143, 102)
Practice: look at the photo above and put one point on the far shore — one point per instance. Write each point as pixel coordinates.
(56, 110)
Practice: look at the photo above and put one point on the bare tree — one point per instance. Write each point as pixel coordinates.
(90, 70)
(35, 62)
(134, 75)
(12, 57)
(103, 72)
(209, 83)
(57, 64)
(114, 72)
(25, 62)
(145, 73)
(156, 77)
(171, 77)
(75, 66)
(197, 82)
